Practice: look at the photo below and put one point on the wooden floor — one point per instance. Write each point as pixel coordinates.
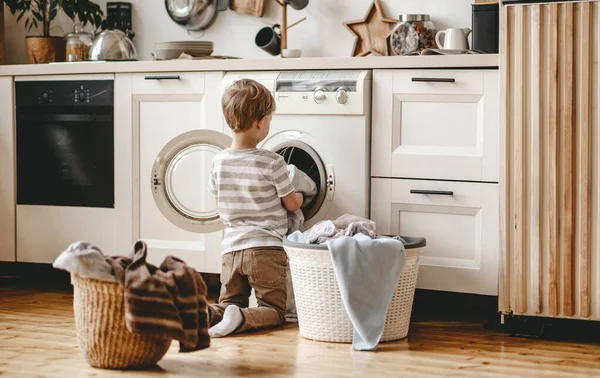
(37, 339)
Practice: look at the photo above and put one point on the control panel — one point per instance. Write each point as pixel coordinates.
(313, 92)
(322, 92)
(65, 93)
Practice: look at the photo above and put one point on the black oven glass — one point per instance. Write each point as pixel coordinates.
(65, 143)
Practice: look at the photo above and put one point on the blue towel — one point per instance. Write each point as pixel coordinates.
(367, 271)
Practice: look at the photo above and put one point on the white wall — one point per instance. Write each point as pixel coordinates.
(322, 34)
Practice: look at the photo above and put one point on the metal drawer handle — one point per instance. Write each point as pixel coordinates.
(174, 77)
(432, 192)
(433, 80)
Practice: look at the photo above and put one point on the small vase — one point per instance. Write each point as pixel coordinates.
(45, 49)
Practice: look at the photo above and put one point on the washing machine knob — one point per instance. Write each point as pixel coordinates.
(319, 96)
(341, 95)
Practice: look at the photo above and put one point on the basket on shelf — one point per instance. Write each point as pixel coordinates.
(321, 312)
(101, 330)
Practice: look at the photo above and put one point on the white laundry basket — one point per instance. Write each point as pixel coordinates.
(321, 312)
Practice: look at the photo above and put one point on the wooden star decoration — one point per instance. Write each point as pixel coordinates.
(371, 32)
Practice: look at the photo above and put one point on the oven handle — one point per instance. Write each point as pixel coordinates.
(433, 80)
(44, 118)
(167, 77)
(432, 192)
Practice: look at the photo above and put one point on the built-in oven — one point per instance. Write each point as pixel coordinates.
(65, 143)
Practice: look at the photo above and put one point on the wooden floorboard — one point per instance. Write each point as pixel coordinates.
(37, 338)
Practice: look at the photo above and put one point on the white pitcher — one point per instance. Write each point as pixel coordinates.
(454, 38)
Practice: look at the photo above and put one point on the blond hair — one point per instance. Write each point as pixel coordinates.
(246, 101)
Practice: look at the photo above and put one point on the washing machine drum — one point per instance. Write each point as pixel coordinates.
(308, 161)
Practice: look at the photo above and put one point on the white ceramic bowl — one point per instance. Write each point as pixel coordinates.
(175, 53)
(291, 53)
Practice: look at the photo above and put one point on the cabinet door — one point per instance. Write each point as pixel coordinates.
(7, 171)
(158, 118)
(440, 124)
(459, 221)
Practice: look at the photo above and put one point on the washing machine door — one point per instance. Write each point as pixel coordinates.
(179, 180)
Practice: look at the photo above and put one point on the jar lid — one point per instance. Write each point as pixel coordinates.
(413, 17)
(78, 32)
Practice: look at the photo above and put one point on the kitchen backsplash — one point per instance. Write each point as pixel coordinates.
(323, 34)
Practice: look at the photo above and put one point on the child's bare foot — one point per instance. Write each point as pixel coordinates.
(232, 319)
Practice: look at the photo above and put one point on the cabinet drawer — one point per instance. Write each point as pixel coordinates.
(459, 221)
(168, 83)
(435, 130)
(439, 81)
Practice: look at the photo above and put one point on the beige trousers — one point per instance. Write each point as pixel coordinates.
(262, 269)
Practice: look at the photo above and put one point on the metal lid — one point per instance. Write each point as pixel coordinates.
(413, 17)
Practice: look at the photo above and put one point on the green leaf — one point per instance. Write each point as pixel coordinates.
(20, 16)
(53, 13)
(68, 11)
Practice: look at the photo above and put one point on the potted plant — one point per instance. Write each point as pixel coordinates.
(39, 14)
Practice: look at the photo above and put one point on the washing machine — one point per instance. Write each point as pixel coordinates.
(321, 125)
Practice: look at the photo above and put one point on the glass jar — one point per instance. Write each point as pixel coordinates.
(78, 44)
(413, 33)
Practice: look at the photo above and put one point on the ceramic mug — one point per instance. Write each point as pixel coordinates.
(297, 4)
(269, 39)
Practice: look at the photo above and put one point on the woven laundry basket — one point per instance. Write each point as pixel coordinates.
(101, 330)
(321, 312)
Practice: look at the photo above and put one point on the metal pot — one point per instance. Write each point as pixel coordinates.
(113, 44)
(195, 15)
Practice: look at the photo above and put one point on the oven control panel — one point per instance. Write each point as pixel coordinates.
(65, 93)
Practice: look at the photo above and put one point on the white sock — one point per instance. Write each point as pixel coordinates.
(232, 319)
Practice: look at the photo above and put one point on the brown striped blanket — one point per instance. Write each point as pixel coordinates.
(166, 302)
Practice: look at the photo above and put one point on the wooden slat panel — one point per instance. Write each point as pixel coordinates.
(549, 213)
(504, 134)
(565, 48)
(519, 124)
(553, 158)
(535, 159)
(583, 75)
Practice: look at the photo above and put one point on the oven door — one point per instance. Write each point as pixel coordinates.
(65, 156)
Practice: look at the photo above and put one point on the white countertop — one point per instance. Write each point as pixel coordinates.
(376, 62)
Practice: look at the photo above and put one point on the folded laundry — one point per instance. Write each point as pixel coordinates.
(164, 302)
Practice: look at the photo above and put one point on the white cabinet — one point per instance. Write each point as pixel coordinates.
(164, 106)
(7, 170)
(459, 221)
(440, 124)
(435, 171)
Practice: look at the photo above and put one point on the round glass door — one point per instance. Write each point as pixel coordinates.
(185, 182)
(180, 180)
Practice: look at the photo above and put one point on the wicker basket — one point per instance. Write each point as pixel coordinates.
(101, 331)
(321, 312)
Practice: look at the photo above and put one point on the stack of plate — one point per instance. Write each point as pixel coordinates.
(172, 50)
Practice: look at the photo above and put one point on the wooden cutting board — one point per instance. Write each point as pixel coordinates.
(254, 8)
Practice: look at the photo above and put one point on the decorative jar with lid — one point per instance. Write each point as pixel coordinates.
(78, 43)
(413, 33)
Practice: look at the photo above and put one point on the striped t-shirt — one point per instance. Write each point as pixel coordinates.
(248, 185)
